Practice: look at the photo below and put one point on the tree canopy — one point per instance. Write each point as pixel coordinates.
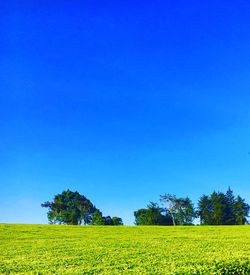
(98, 219)
(181, 209)
(222, 209)
(152, 215)
(72, 208)
(214, 209)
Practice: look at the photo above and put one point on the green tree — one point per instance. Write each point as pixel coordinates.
(117, 221)
(152, 215)
(170, 201)
(241, 209)
(230, 217)
(215, 209)
(181, 209)
(222, 209)
(205, 210)
(185, 212)
(69, 208)
(219, 208)
(98, 219)
(108, 220)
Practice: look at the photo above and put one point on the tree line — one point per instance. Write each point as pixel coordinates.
(218, 208)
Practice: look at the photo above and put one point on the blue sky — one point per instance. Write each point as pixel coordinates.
(122, 101)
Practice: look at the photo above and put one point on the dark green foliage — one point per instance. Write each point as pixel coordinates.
(205, 210)
(108, 220)
(241, 209)
(117, 221)
(69, 208)
(97, 218)
(72, 208)
(222, 209)
(152, 215)
(181, 210)
(184, 211)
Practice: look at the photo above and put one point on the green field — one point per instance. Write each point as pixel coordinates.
(47, 249)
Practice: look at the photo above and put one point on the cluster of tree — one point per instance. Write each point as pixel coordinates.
(178, 211)
(152, 215)
(98, 219)
(72, 208)
(220, 208)
(215, 209)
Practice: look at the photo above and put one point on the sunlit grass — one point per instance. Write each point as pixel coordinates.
(117, 250)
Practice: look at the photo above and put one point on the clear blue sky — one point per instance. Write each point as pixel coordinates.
(122, 101)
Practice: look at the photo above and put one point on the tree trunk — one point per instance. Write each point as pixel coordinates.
(171, 213)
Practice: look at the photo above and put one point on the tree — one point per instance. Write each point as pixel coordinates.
(152, 215)
(69, 208)
(216, 209)
(181, 209)
(222, 209)
(241, 209)
(98, 218)
(169, 200)
(117, 221)
(108, 220)
(205, 209)
(230, 211)
(185, 212)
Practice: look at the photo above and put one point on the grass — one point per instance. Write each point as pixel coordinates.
(46, 249)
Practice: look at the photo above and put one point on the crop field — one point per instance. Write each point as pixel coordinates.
(47, 249)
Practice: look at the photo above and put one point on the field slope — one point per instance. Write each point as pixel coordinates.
(47, 249)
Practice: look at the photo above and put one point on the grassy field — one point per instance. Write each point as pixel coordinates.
(46, 249)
